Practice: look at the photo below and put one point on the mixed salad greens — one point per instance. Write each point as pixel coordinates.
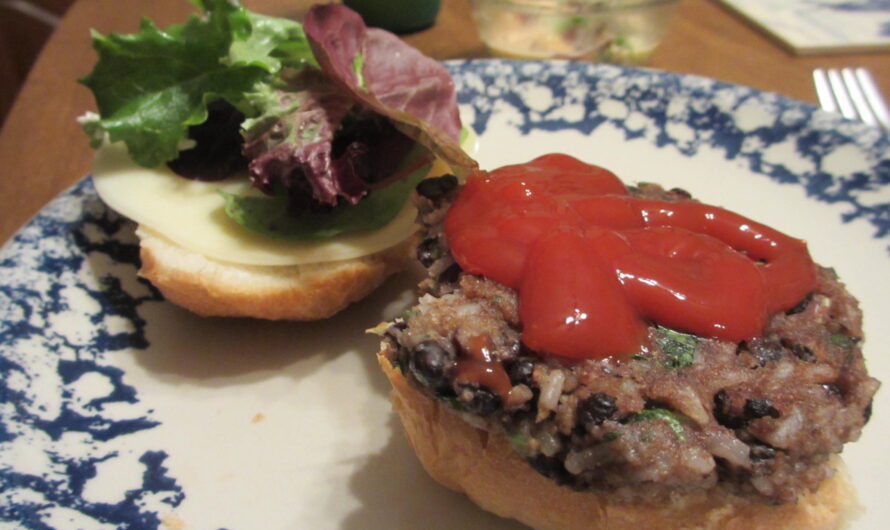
(335, 122)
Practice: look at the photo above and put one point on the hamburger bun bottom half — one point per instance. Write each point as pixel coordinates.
(210, 287)
(484, 466)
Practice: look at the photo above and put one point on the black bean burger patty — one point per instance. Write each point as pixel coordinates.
(759, 418)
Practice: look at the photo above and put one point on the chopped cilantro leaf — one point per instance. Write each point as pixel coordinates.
(844, 341)
(611, 436)
(673, 419)
(679, 348)
(519, 441)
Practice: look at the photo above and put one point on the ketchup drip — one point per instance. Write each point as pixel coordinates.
(594, 266)
(481, 368)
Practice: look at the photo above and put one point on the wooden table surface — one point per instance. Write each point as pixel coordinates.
(43, 150)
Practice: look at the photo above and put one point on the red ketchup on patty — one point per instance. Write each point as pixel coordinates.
(594, 266)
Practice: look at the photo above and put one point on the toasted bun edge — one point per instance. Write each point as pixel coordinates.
(483, 466)
(210, 287)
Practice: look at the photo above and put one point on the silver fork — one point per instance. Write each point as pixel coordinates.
(853, 93)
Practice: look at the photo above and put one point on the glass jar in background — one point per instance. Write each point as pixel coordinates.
(615, 31)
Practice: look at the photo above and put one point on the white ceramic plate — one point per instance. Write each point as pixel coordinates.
(118, 409)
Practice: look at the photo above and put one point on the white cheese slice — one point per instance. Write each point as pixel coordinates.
(192, 214)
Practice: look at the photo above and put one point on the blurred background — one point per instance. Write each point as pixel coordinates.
(24, 27)
(768, 44)
(758, 43)
(513, 28)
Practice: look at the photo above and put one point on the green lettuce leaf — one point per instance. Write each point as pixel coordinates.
(152, 85)
(273, 43)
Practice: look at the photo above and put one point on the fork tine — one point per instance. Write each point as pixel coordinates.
(840, 94)
(873, 96)
(823, 91)
(851, 83)
(852, 93)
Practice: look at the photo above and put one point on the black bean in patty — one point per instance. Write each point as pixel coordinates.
(761, 452)
(723, 412)
(431, 362)
(482, 401)
(803, 353)
(428, 251)
(596, 409)
(552, 467)
(436, 187)
(521, 371)
(760, 408)
(451, 274)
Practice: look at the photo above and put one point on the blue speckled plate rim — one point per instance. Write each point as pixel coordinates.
(50, 252)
